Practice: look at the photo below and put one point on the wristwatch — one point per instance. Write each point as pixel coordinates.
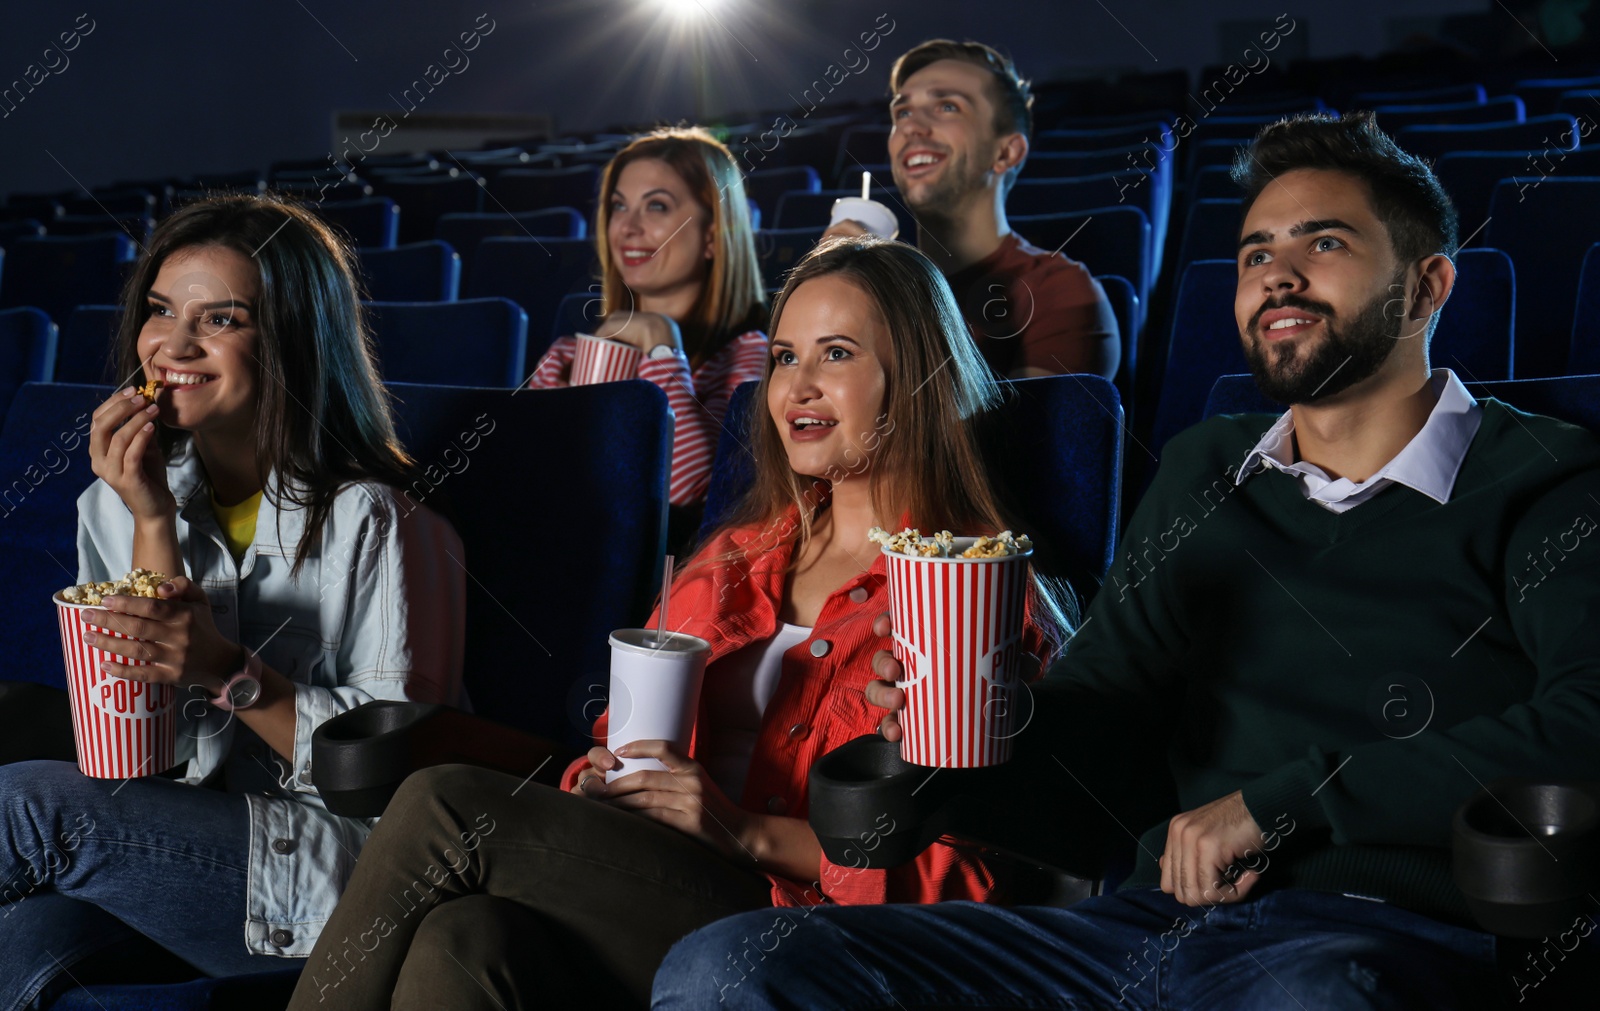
(664, 351)
(242, 690)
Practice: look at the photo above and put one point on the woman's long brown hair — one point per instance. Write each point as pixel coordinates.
(733, 300)
(924, 457)
(323, 417)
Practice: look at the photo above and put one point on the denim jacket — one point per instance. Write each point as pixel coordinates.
(377, 612)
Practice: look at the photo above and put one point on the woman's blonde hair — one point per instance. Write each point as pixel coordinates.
(925, 457)
(733, 299)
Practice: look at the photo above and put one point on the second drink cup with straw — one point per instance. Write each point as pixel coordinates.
(869, 213)
(655, 687)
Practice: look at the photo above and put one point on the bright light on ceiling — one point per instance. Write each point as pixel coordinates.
(688, 9)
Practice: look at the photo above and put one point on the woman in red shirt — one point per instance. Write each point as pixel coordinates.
(680, 281)
(552, 897)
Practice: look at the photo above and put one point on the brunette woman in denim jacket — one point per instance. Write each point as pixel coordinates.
(263, 482)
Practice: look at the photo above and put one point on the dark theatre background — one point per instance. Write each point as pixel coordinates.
(402, 119)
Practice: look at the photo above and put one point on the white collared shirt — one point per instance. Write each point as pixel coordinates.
(1428, 463)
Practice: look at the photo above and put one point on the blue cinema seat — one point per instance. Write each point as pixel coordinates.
(1204, 345)
(27, 350)
(370, 222)
(1504, 109)
(1053, 451)
(55, 274)
(465, 231)
(1154, 130)
(534, 273)
(1214, 182)
(1543, 95)
(767, 186)
(538, 189)
(1476, 332)
(578, 313)
(427, 271)
(44, 455)
(778, 249)
(1125, 307)
(863, 144)
(475, 342)
(1445, 93)
(1471, 176)
(1139, 188)
(1536, 134)
(84, 351)
(1211, 232)
(1546, 232)
(425, 199)
(26, 228)
(1584, 358)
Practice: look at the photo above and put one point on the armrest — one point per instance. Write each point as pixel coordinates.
(360, 757)
(871, 808)
(1526, 855)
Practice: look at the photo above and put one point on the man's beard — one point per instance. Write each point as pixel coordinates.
(1293, 374)
(941, 199)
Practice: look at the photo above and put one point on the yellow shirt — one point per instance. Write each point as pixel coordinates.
(238, 523)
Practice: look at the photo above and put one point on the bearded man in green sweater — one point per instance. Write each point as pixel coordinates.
(1329, 628)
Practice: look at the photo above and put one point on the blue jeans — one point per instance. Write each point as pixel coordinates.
(89, 865)
(1134, 949)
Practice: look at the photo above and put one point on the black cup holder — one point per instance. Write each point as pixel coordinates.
(1527, 855)
(360, 757)
(871, 808)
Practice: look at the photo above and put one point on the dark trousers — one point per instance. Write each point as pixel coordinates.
(480, 890)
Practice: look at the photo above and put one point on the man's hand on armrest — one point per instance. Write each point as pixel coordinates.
(1210, 852)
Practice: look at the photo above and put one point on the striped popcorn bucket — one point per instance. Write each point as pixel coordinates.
(123, 728)
(598, 360)
(958, 636)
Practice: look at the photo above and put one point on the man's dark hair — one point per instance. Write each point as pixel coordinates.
(1406, 196)
(1013, 105)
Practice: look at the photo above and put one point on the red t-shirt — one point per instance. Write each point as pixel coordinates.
(1028, 307)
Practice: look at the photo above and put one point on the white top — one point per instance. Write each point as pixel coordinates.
(1428, 464)
(745, 682)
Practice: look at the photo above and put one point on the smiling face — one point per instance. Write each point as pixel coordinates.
(660, 236)
(830, 377)
(944, 143)
(200, 340)
(1321, 299)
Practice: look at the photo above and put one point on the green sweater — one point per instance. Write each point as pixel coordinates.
(1358, 675)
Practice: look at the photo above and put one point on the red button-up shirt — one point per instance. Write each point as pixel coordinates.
(819, 704)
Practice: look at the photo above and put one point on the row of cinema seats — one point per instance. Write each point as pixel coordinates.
(533, 644)
(1114, 219)
(1477, 333)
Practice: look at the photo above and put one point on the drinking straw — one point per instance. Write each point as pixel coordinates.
(666, 587)
(866, 184)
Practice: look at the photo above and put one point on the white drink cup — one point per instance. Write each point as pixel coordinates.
(655, 693)
(877, 219)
